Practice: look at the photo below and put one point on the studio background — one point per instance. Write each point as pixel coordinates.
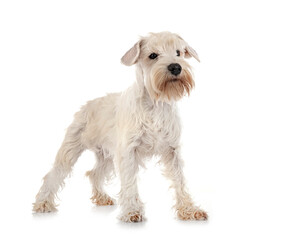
(56, 55)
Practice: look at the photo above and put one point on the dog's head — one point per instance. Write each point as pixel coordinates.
(161, 56)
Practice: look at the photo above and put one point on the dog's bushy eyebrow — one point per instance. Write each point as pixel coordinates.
(156, 43)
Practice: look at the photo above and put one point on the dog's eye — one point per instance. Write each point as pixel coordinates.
(153, 55)
(178, 53)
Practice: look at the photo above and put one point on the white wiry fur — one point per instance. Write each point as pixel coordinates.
(123, 129)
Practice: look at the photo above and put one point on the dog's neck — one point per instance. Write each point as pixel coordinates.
(140, 80)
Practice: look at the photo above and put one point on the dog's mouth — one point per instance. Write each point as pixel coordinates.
(174, 80)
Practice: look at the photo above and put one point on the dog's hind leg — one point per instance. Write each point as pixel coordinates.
(98, 175)
(66, 157)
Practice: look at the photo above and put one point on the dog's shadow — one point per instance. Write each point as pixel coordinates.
(104, 210)
(49, 215)
(136, 225)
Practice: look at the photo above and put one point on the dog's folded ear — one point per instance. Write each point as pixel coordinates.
(189, 51)
(131, 56)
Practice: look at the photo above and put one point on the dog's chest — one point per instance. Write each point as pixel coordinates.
(161, 129)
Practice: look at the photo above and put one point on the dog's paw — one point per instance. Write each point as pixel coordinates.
(192, 213)
(44, 207)
(132, 217)
(102, 200)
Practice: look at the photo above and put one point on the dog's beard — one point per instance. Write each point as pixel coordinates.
(168, 87)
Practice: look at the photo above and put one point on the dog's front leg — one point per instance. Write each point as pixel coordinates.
(132, 209)
(173, 169)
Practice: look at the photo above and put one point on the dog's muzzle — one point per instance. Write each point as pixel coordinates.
(175, 68)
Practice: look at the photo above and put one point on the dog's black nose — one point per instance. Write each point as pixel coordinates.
(175, 68)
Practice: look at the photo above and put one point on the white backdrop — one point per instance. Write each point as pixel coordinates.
(56, 55)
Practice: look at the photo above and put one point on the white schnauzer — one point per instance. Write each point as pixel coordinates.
(124, 129)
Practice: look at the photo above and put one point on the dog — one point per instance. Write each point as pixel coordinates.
(124, 129)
